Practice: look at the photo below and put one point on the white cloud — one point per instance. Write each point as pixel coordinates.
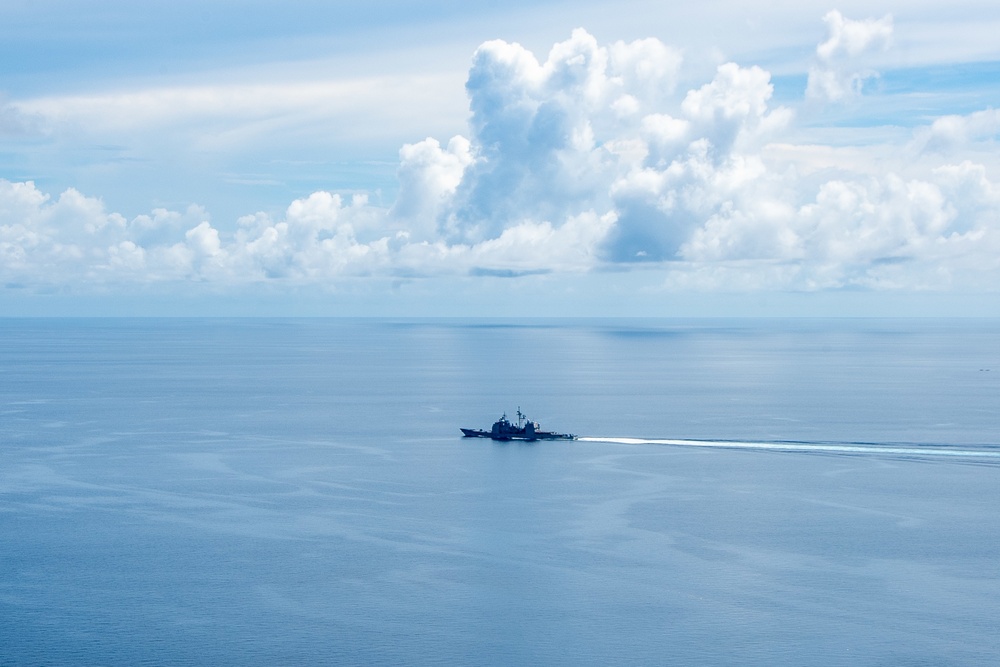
(428, 177)
(153, 107)
(876, 233)
(48, 241)
(163, 227)
(950, 133)
(840, 71)
(546, 135)
(732, 111)
(14, 122)
(218, 118)
(693, 164)
(318, 240)
(589, 160)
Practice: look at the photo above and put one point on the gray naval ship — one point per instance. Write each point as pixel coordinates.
(524, 429)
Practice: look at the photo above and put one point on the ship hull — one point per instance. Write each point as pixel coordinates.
(477, 433)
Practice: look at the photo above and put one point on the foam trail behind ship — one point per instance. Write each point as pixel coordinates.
(991, 452)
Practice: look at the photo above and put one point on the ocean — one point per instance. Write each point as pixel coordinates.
(297, 492)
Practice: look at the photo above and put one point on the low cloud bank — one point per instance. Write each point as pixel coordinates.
(589, 160)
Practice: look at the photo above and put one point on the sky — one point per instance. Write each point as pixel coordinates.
(544, 158)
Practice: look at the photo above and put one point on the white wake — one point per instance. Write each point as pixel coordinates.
(981, 452)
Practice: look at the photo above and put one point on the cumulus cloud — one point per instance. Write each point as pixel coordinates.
(544, 132)
(879, 233)
(840, 70)
(591, 159)
(428, 177)
(42, 240)
(693, 164)
(953, 132)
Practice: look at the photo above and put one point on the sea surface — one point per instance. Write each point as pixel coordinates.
(297, 492)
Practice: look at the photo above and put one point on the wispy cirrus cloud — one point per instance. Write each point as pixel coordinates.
(240, 109)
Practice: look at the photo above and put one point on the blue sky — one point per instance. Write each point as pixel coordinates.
(543, 158)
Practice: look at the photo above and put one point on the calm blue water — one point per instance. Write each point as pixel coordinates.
(297, 492)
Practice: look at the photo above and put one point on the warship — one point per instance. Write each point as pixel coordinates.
(524, 429)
